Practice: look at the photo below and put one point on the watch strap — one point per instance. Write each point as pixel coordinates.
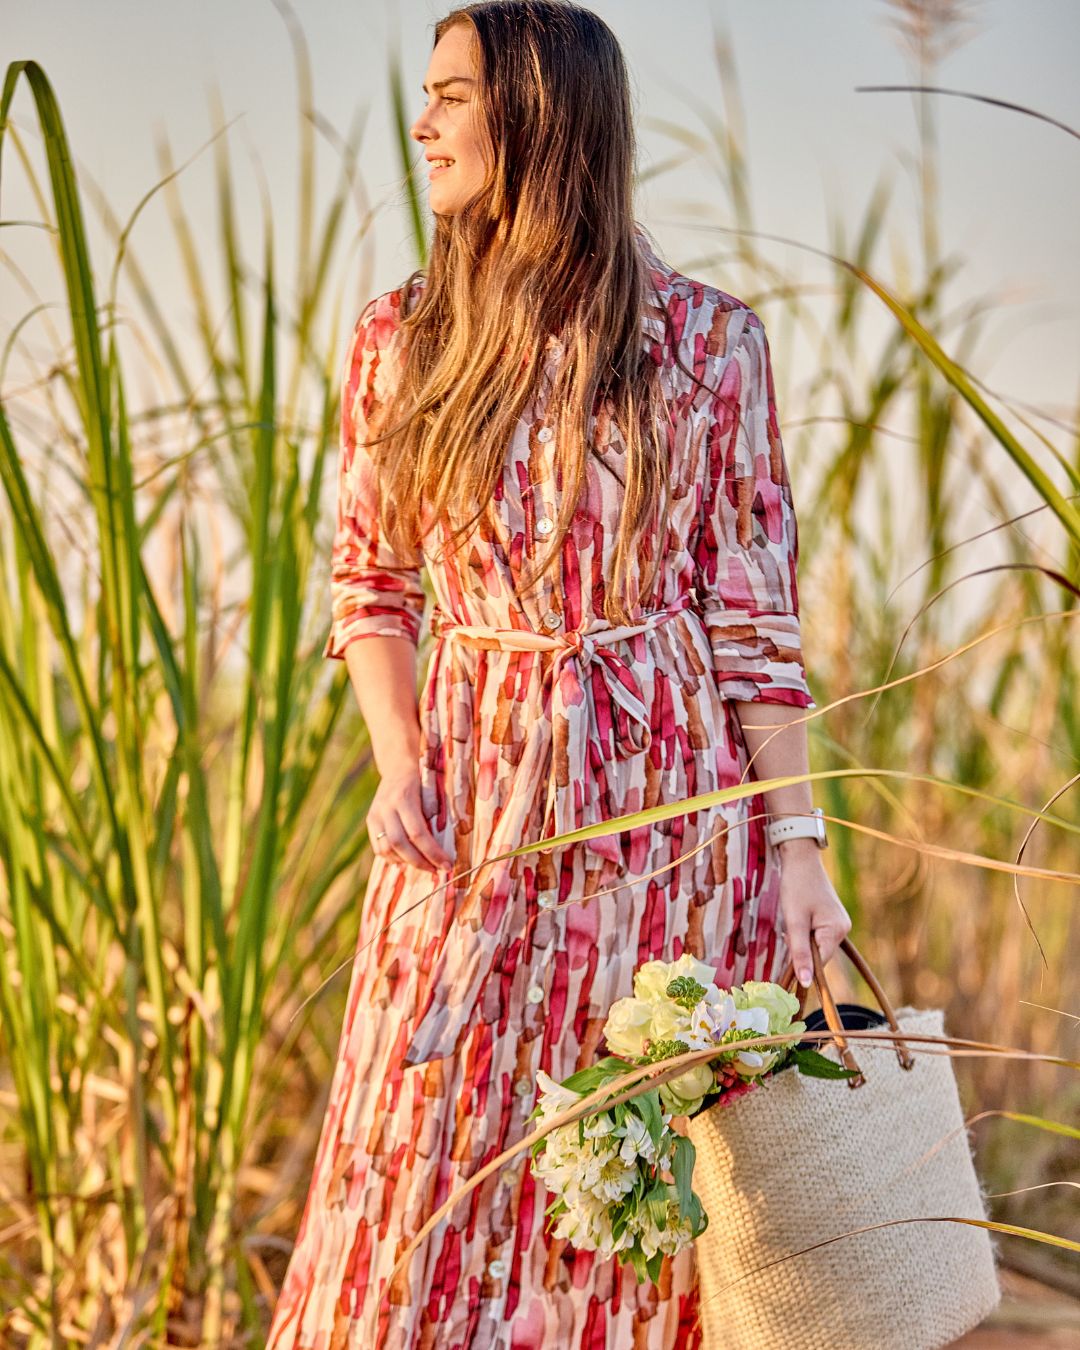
(811, 826)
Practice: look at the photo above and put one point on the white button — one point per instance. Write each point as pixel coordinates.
(544, 434)
(510, 1176)
(544, 526)
(523, 1087)
(534, 994)
(551, 619)
(547, 899)
(497, 1268)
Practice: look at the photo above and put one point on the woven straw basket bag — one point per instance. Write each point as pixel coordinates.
(800, 1160)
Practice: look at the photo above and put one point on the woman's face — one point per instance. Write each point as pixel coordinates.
(448, 128)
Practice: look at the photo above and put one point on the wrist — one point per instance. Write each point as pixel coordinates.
(795, 848)
(397, 751)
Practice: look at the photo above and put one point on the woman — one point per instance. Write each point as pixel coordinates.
(515, 418)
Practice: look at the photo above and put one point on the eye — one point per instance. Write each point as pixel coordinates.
(449, 98)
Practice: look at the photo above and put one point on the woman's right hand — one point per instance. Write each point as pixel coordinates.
(396, 809)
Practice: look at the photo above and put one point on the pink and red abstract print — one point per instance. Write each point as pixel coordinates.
(535, 715)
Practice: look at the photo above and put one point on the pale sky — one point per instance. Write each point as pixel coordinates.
(129, 71)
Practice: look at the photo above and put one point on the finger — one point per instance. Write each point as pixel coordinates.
(377, 836)
(434, 855)
(828, 942)
(799, 946)
(385, 834)
(401, 847)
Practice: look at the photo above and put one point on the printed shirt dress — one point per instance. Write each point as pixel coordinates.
(538, 717)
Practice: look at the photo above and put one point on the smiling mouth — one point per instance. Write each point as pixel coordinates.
(437, 168)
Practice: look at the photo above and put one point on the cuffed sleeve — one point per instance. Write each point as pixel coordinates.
(748, 544)
(373, 591)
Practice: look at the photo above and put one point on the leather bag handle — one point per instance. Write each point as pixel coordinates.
(789, 981)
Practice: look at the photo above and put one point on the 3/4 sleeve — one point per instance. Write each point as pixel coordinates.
(373, 591)
(748, 543)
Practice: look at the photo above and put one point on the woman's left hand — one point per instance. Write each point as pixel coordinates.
(810, 905)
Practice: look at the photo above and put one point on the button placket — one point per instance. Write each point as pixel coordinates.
(543, 519)
(536, 991)
(510, 1176)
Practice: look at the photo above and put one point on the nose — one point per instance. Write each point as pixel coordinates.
(421, 129)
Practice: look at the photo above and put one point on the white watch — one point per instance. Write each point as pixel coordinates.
(799, 827)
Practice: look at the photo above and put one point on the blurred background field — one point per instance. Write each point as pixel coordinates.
(184, 781)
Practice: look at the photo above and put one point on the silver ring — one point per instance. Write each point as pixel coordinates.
(380, 834)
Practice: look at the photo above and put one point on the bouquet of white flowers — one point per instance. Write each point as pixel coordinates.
(609, 1171)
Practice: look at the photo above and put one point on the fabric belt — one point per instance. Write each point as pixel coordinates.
(597, 708)
(578, 722)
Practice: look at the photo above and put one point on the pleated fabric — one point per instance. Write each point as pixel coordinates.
(535, 717)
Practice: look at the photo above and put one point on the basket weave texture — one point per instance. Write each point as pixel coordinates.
(802, 1159)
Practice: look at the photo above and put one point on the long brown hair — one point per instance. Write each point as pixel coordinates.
(548, 246)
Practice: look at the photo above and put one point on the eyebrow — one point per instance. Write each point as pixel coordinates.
(451, 79)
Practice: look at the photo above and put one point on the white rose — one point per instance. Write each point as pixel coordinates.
(695, 1082)
(683, 1094)
(629, 1023)
(774, 998)
(652, 979)
(697, 970)
(668, 1020)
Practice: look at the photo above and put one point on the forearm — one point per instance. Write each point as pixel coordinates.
(779, 752)
(383, 674)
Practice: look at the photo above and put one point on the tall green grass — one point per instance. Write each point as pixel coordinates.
(183, 782)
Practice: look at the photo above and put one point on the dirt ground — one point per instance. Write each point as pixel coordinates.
(1031, 1316)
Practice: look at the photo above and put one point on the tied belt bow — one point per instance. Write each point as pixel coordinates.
(586, 719)
(616, 725)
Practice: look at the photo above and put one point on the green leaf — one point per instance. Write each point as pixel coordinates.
(648, 1108)
(584, 1081)
(1054, 1126)
(682, 1169)
(696, 1215)
(816, 1065)
(596, 1075)
(656, 1202)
